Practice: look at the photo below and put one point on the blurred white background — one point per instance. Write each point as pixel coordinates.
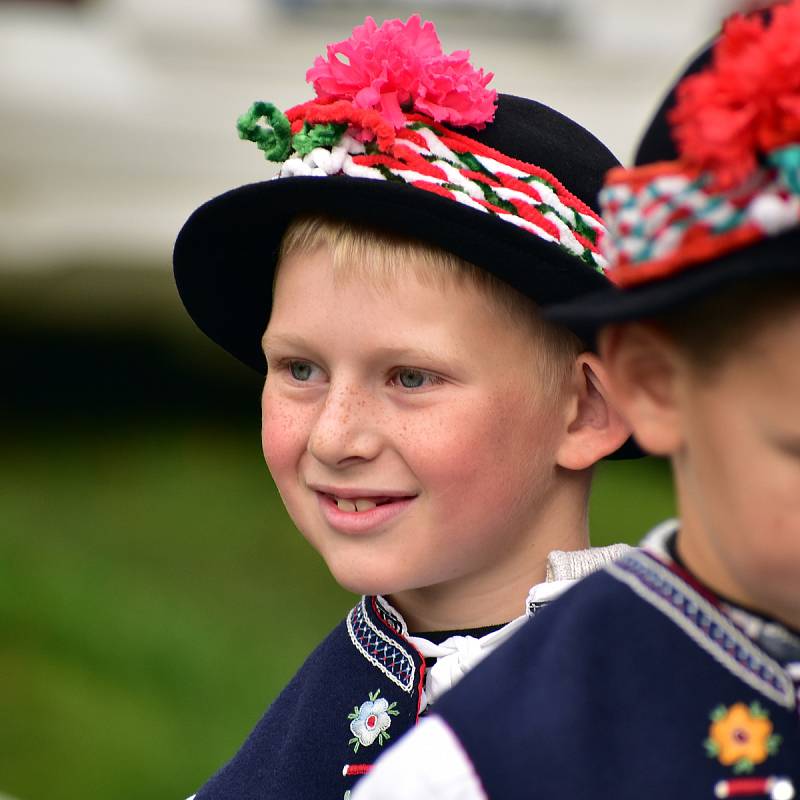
(117, 116)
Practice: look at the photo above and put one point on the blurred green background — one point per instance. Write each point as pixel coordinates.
(154, 597)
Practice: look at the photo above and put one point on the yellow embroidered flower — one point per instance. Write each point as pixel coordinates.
(741, 736)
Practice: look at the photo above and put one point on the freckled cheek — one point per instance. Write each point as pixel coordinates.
(284, 434)
(468, 452)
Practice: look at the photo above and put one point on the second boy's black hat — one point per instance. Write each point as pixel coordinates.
(405, 138)
(714, 196)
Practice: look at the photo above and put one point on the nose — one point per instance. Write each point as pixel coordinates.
(345, 430)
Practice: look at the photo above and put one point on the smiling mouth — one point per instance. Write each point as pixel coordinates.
(356, 505)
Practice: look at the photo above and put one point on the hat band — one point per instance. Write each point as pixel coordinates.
(326, 139)
(664, 218)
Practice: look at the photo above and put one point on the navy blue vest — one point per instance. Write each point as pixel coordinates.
(354, 696)
(633, 685)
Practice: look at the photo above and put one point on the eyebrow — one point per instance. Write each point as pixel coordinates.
(269, 340)
(401, 354)
(398, 354)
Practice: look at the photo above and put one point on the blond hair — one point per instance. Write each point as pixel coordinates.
(380, 257)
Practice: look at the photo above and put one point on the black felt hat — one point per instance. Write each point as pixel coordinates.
(225, 254)
(753, 243)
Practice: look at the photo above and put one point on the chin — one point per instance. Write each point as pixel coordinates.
(364, 581)
(361, 585)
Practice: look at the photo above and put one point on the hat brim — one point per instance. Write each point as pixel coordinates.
(226, 252)
(773, 256)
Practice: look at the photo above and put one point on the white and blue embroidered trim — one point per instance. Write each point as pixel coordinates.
(381, 651)
(390, 616)
(703, 623)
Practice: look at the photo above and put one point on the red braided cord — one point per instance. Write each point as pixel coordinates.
(423, 168)
(481, 177)
(536, 218)
(436, 188)
(698, 246)
(344, 112)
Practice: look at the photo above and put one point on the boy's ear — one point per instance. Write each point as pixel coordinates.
(643, 370)
(594, 426)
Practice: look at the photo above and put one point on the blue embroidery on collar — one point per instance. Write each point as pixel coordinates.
(705, 624)
(386, 613)
(379, 648)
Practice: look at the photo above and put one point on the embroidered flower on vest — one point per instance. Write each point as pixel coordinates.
(741, 736)
(371, 721)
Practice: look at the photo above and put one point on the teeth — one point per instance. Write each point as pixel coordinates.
(362, 504)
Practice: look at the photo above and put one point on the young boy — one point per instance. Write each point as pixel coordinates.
(673, 673)
(430, 434)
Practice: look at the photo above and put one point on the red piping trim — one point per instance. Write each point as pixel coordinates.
(356, 769)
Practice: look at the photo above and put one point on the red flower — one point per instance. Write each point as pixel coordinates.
(400, 66)
(747, 103)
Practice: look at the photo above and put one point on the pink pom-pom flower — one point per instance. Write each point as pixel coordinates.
(399, 67)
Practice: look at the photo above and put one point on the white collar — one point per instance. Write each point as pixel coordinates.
(457, 655)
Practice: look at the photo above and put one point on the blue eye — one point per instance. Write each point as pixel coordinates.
(408, 378)
(300, 370)
(411, 378)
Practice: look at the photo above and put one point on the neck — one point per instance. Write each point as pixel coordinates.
(728, 574)
(496, 593)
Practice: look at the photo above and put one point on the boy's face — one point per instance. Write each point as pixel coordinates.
(419, 405)
(734, 439)
(741, 468)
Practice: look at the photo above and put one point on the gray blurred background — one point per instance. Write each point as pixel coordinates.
(153, 595)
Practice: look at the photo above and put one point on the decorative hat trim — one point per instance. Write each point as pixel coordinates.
(429, 157)
(379, 117)
(663, 218)
(737, 180)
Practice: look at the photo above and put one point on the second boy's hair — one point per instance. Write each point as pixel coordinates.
(709, 330)
(380, 256)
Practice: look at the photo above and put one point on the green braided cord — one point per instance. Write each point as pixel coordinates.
(472, 163)
(545, 208)
(787, 161)
(492, 197)
(388, 174)
(584, 229)
(275, 138)
(587, 258)
(324, 135)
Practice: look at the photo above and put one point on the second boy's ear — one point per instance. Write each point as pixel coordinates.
(643, 371)
(594, 427)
